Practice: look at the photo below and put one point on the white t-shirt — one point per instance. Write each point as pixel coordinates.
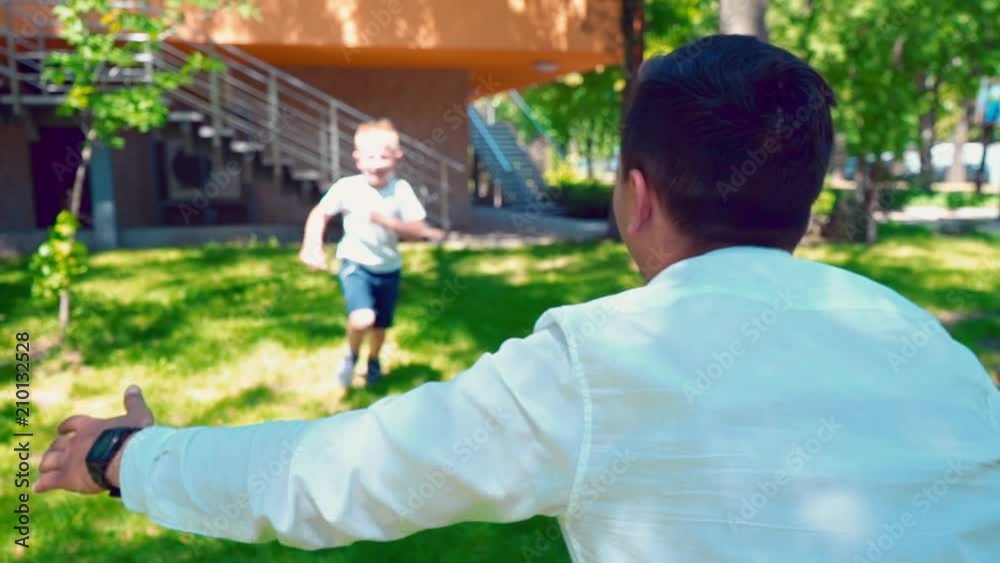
(373, 246)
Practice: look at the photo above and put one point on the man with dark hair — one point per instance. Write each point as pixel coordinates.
(742, 406)
(748, 134)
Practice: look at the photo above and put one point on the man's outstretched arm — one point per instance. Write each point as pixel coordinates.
(499, 443)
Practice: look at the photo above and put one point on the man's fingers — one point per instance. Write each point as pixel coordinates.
(136, 406)
(52, 460)
(74, 423)
(48, 481)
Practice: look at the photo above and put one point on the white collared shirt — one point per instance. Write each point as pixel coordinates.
(744, 406)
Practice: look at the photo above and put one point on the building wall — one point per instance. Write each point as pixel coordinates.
(502, 38)
(135, 182)
(17, 210)
(428, 105)
(484, 25)
(280, 207)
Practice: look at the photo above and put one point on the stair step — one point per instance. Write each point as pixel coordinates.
(307, 175)
(186, 117)
(208, 132)
(245, 147)
(33, 55)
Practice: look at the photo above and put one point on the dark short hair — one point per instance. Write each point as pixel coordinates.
(735, 136)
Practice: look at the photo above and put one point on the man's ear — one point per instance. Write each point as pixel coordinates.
(643, 200)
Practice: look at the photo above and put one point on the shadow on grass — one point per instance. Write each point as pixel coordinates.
(208, 310)
(208, 305)
(227, 407)
(399, 380)
(461, 543)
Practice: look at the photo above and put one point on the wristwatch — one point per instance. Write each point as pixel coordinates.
(103, 451)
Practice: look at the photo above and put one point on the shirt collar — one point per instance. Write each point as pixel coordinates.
(722, 255)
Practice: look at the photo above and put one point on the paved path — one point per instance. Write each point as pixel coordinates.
(491, 227)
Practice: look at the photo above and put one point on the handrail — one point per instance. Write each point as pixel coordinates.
(525, 108)
(327, 98)
(261, 71)
(303, 128)
(477, 122)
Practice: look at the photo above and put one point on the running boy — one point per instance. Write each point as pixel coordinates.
(378, 209)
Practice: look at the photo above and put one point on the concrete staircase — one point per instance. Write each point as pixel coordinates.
(502, 155)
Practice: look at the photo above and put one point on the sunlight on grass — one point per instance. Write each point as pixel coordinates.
(237, 335)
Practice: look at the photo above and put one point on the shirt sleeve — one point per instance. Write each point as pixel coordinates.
(410, 208)
(499, 443)
(332, 201)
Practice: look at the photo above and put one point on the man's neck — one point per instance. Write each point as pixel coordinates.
(668, 255)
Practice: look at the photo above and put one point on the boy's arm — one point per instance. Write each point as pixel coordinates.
(408, 230)
(500, 443)
(312, 241)
(410, 225)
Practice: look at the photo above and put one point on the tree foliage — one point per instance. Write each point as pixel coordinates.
(891, 62)
(59, 260)
(896, 67)
(584, 110)
(114, 85)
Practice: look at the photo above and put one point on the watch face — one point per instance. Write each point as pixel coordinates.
(101, 450)
(101, 453)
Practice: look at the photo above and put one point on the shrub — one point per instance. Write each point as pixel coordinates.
(584, 199)
(60, 260)
(825, 203)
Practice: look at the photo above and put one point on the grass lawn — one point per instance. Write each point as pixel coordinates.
(236, 335)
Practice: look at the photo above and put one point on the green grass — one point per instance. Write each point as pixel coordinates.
(953, 200)
(235, 335)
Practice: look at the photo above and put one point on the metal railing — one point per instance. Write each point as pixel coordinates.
(480, 129)
(251, 105)
(529, 114)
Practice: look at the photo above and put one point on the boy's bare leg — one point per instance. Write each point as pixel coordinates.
(358, 324)
(377, 339)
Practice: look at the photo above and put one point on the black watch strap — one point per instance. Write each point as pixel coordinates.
(103, 451)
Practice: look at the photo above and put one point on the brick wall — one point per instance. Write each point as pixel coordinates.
(428, 105)
(135, 182)
(17, 198)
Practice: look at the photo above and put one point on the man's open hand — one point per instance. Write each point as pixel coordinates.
(64, 464)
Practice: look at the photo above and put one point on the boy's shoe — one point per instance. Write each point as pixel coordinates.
(374, 371)
(345, 372)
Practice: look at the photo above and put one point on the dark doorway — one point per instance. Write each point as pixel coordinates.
(54, 158)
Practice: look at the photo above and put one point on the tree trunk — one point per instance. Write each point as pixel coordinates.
(588, 151)
(743, 17)
(853, 216)
(981, 173)
(926, 142)
(634, 35)
(839, 157)
(869, 201)
(956, 172)
(74, 207)
(927, 138)
(81, 172)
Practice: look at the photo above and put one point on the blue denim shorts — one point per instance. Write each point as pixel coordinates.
(364, 289)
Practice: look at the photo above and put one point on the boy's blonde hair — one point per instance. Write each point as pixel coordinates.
(383, 128)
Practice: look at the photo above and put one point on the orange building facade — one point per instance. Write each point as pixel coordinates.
(416, 62)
